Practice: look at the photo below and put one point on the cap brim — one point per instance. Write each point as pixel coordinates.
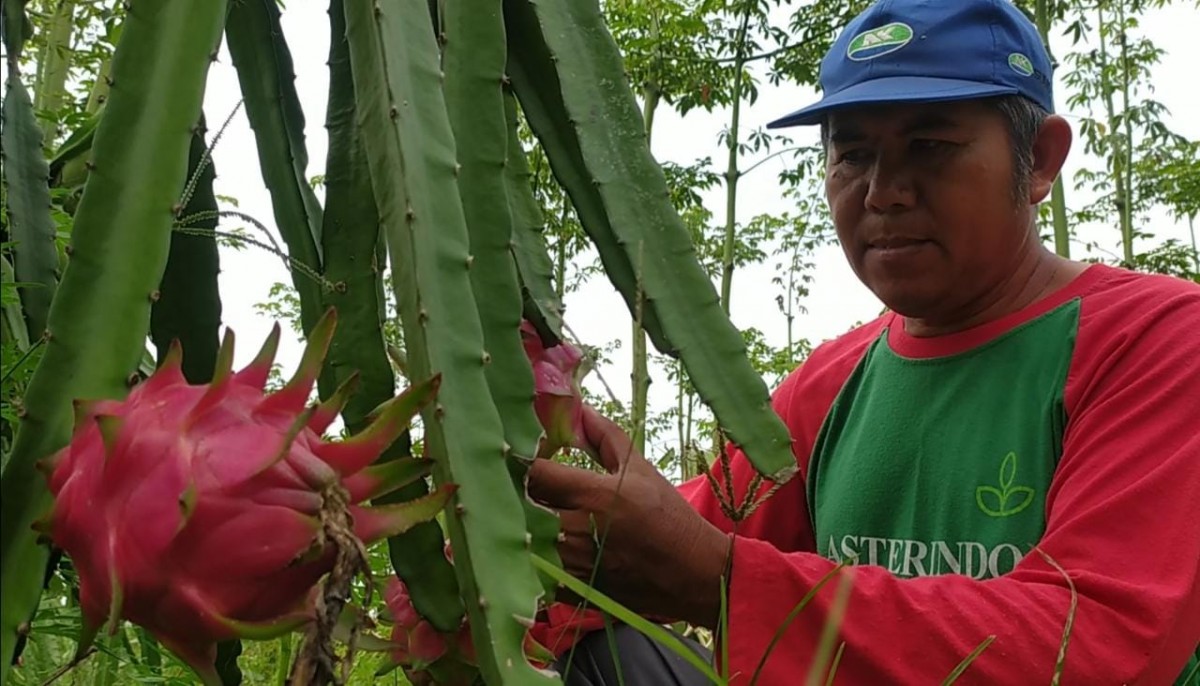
(893, 89)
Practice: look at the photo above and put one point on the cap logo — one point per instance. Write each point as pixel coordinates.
(879, 41)
(1020, 64)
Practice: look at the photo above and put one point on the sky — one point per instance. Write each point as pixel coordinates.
(595, 313)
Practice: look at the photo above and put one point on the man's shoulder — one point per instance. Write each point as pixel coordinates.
(1123, 298)
(833, 360)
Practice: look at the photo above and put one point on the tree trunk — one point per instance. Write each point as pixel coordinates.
(1058, 201)
(1117, 146)
(640, 376)
(731, 171)
(55, 67)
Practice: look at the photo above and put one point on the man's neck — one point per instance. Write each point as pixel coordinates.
(1037, 275)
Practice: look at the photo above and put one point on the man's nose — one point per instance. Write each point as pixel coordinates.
(890, 186)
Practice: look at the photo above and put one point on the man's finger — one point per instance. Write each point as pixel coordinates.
(612, 446)
(577, 543)
(560, 486)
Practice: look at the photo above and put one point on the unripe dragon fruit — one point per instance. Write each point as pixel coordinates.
(557, 399)
(200, 512)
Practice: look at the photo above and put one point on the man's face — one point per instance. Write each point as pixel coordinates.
(922, 200)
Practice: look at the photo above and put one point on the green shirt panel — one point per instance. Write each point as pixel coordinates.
(941, 465)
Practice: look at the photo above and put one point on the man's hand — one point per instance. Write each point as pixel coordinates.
(657, 555)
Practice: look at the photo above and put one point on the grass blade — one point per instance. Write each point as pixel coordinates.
(962, 666)
(791, 616)
(837, 660)
(623, 614)
(833, 622)
(1061, 660)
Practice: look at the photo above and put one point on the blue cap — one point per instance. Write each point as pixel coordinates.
(932, 51)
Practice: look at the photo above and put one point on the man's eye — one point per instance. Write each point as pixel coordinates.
(930, 144)
(854, 156)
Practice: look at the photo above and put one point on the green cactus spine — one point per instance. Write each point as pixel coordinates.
(98, 322)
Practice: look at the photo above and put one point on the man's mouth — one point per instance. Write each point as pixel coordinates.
(896, 243)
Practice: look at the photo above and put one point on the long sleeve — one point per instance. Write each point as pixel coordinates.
(1121, 521)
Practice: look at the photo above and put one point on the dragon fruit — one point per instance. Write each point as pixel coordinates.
(430, 657)
(557, 400)
(200, 512)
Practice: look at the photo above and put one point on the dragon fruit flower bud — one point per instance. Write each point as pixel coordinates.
(558, 400)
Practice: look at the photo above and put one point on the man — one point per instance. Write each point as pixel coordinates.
(1012, 450)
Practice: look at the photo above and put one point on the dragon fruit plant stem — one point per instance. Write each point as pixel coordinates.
(188, 308)
(411, 154)
(26, 174)
(352, 244)
(98, 321)
(268, 83)
(567, 72)
(205, 512)
(543, 306)
(473, 61)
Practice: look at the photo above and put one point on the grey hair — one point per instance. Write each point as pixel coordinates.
(1024, 118)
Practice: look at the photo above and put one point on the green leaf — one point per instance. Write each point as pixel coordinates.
(986, 503)
(1016, 499)
(1008, 471)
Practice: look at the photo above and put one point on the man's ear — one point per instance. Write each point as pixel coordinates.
(1050, 150)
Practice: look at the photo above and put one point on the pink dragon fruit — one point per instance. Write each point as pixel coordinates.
(414, 638)
(430, 657)
(557, 399)
(198, 511)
